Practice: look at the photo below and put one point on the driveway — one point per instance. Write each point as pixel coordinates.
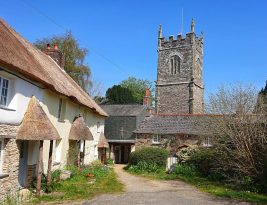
(143, 191)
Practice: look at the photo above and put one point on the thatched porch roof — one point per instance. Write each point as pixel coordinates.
(103, 143)
(80, 131)
(36, 125)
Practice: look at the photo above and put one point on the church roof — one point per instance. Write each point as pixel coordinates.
(124, 110)
(177, 124)
(19, 56)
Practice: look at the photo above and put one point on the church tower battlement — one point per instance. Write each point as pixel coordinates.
(179, 85)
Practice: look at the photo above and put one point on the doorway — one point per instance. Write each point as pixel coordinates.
(23, 161)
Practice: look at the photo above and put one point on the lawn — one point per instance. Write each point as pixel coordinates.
(79, 188)
(203, 184)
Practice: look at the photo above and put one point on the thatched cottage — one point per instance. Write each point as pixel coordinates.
(41, 108)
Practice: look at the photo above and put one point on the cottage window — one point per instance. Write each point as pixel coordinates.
(207, 142)
(156, 139)
(95, 150)
(1, 155)
(61, 109)
(4, 84)
(98, 127)
(175, 63)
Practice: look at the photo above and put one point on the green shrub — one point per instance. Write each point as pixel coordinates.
(55, 176)
(110, 161)
(150, 155)
(185, 170)
(143, 166)
(204, 160)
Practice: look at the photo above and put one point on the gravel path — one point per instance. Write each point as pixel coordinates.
(143, 191)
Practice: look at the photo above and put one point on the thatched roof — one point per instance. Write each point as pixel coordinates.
(8, 131)
(36, 125)
(19, 56)
(103, 143)
(79, 130)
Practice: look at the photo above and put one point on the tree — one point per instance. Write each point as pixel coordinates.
(119, 95)
(74, 57)
(137, 87)
(240, 130)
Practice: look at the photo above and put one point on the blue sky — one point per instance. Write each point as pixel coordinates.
(121, 35)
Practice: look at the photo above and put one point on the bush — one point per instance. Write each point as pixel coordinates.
(185, 153)
(143, 166)
(185, 170)
(55, 176)
(148, 159)
(204, 160)
(149, 155)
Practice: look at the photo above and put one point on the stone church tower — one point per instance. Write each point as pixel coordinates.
(179, 85)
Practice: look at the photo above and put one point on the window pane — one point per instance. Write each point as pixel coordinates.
(59, 108)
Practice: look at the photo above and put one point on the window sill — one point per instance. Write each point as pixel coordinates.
(6, 108)
(207, 145)
(2, 176)
(61, 121)
(56, 163)
(155, 143)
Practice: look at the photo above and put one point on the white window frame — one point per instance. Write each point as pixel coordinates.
(156, 139)
(1, 87)
(98, 127)
(207, 142)
(95, 150)
(1, 155)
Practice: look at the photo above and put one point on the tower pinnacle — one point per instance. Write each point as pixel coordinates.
(160, 31)
(192, 26)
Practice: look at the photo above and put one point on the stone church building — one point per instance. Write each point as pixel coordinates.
(179, 119)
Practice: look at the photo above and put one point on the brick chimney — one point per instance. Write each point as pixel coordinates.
(146, 99)
(55, 54)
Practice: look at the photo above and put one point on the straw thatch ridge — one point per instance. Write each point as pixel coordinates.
(80, 131)
(103, 143)
(36, 125)
(19, 56)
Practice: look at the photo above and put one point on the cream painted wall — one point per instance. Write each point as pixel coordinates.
(19, 94)
(50, 105)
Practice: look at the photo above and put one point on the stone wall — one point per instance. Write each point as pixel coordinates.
(9, 179)
(171, 142)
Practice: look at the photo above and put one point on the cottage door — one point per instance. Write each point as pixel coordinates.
(23, 158)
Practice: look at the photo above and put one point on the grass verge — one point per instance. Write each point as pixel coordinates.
(79, 188)
(203, 184)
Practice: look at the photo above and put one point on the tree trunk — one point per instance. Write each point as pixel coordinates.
(40, 169)
(49, 167)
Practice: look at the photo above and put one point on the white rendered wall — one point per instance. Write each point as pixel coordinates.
(19, 94)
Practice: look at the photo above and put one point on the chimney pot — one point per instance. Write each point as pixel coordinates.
(56, 46)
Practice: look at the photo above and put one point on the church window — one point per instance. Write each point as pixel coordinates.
(175, 65)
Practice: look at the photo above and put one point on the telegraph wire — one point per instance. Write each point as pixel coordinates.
(119, 68)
